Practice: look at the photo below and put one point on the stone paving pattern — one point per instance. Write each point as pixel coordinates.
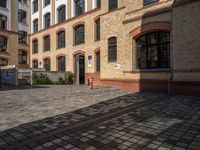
(134, 121)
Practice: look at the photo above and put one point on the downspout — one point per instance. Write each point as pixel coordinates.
(171, 43)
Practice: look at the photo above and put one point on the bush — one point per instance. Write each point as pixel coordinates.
(60, 81)
(68, 78)
(42, 79)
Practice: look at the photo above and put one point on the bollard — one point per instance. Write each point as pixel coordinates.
(91, 83)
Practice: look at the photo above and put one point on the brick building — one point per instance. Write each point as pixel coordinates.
(14, 32)
(137, 45)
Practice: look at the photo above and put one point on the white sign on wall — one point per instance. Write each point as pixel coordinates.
(90, 61)
(117, 66)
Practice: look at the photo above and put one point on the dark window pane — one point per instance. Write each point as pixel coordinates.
(61, 14)
(47, 64)
(79, 7)
(3, 44)
(113, 4)
(146, 2)
(3, 62)
(3, 22)
(112, 49)
(22, 16)
(61, 63)
(153, 50)
(47, 43)
(3, 3)
(97, 30)
(23, 57)
(35, 46)
(35, 25)
(47, 20)
(35, 63)
(98, 3)
(22, 37)
(46, 2)
(35, 6)
(98, 62)
(79, 34)
(61, 39)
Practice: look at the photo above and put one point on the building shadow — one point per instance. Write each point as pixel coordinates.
(149, 116)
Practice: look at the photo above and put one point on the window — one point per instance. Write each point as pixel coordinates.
(3, 3)
(79, 34)
(3, 62)
(112, 49)
(79, 7)
(23, 1)
(47, 43)
(47, 20)
(61, 13)
(113, 4)
(98, 61)
(153, 50)
(61, 39)
(35, 25)
(23, 57)
(22, 37)
(98, 3)
(46, 2)
(97, 26)
(35, 6)
(22, 16)
(3, 22)
(61, 63)
(47, 64)
(35, 63)
(3, 44)
(35, 46)
(146, 2)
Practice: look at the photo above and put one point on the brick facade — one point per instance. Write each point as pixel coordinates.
(128, 22)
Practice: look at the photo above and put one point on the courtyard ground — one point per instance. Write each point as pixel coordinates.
(74, 117)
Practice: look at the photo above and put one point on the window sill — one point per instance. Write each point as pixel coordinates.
(59, 48)
(79, 44)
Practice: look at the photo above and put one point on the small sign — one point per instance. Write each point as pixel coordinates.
(117, 66)
(90, 61)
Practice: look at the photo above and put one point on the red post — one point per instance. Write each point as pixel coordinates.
(91, 83)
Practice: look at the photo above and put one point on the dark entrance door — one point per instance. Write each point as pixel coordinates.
(80, 69)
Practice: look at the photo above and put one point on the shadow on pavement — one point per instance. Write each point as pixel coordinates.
(135, 121)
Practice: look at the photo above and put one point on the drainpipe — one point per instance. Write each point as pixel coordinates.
(172, 39)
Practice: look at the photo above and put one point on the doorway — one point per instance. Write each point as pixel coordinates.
(80, 69)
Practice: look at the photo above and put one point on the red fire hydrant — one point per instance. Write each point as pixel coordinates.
(91, 83)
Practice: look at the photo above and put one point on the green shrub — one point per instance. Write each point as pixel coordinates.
(42, 79)
(68, 78)
(60, 81)
(35, 79)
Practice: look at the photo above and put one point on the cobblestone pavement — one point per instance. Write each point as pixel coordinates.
(134, 121)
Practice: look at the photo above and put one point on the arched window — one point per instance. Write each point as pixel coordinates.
(46, 43)
(47, 64)
(112, 49)
(97, 29)
(47, 20)
(3, 3)
(35, 63)
(3, 44)
(22, 36)
(3, 22)
(35, 6)
(98, 61)
(61, 39)
(153, 50)
(61, 11)
(61, 63)
(35, 46)
(22, 16)
(113, 4)
(23, 57)
(79, 34)
(35, 25)
(79, 7)
(3, 62)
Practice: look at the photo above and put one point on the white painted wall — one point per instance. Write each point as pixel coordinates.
(57, 5)
(46, 9)
(33, 17)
